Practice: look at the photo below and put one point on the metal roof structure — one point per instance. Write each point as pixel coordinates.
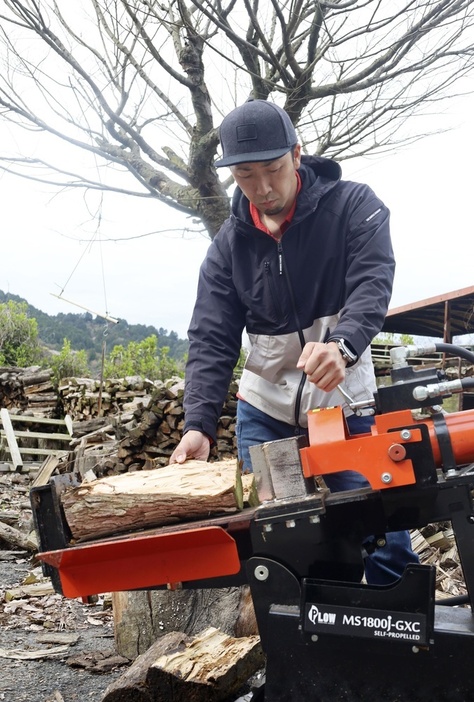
(442, 316)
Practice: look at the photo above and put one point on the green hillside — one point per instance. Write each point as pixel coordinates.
(85, 331)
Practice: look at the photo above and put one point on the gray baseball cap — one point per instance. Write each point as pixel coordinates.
(256, 131)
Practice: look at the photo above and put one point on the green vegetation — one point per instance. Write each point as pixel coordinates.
(79, 341)
(69, 363)
(19, 342)
(73, 344)
(240, 363)
(142, 358)
(391, 338)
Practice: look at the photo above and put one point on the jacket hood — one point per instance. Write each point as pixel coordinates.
(318, 176)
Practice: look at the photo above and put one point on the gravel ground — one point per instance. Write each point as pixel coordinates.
(31, 624)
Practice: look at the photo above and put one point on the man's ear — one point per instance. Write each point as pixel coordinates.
(297, 156)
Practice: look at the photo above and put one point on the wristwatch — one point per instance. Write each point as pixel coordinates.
(349, 356)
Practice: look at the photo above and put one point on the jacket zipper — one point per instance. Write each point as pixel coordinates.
(282, 270)
(273, 289)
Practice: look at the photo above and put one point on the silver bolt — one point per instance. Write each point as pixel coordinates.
(386, 478)
(261, 572)
(290, 524)
(314, 637)
(314, 519)
(381, 543)
(415, 649)
(268, 527)
(405, 434)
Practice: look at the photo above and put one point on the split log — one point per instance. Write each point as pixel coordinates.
(46, 470)
(207, 668)
(132, 685)
(149, 498)
(37, 377)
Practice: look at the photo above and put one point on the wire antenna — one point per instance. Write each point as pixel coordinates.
(98, 314)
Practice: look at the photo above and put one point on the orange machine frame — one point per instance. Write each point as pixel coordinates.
(381, 454)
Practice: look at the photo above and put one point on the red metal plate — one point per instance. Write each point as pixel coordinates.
(144, 561)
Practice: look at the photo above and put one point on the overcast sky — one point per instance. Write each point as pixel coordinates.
(152, 280)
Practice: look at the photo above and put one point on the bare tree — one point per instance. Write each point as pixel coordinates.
(140, 85)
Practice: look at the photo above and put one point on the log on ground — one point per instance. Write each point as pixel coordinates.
(147, 498)
(207, 668)
(16, 538)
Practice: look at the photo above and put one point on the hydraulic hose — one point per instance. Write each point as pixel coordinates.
(454, 350)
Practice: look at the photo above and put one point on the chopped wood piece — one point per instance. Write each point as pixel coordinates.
(250, 495)
(46, 470)
(32, 590)
(207, 668)
(119, 503)
(97, 661)
(132, 685)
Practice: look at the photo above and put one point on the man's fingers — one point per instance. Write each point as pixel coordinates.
(194, 444)
(311, 349)
(178, 457)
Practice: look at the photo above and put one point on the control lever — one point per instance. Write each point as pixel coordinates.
(357, 407)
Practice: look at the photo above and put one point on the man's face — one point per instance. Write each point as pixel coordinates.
(270, 185)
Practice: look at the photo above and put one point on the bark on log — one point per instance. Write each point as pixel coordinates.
(149, 498)
(207, 668)
(16, 538)
(132, 685)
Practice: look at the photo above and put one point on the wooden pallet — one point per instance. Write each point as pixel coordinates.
(11, 439)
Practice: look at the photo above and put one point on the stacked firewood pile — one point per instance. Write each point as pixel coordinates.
(12, 393)
(459, 370)
(40, 391)
(29, 388)
(435, 545)
(86, 398)
(145, 432)
(120, 425)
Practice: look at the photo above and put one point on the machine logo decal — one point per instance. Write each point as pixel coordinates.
(317, 617)
(366, 623)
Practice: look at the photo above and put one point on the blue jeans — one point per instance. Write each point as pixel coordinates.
(385, 564)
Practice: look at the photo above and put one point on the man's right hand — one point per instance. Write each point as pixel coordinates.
(194, 444)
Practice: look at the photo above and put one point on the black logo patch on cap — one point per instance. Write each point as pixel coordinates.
(247, 132)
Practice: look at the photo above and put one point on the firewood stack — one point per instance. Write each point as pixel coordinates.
(145, 432)
(86, 398)
(435, 545)
(40, 392)
(122, 425)
(12, 393)
(28, 388)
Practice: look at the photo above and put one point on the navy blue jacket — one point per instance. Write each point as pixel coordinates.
(330, 276)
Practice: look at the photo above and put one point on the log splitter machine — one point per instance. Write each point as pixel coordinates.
(327, 635)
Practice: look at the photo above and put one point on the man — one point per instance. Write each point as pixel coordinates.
(305, 264)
